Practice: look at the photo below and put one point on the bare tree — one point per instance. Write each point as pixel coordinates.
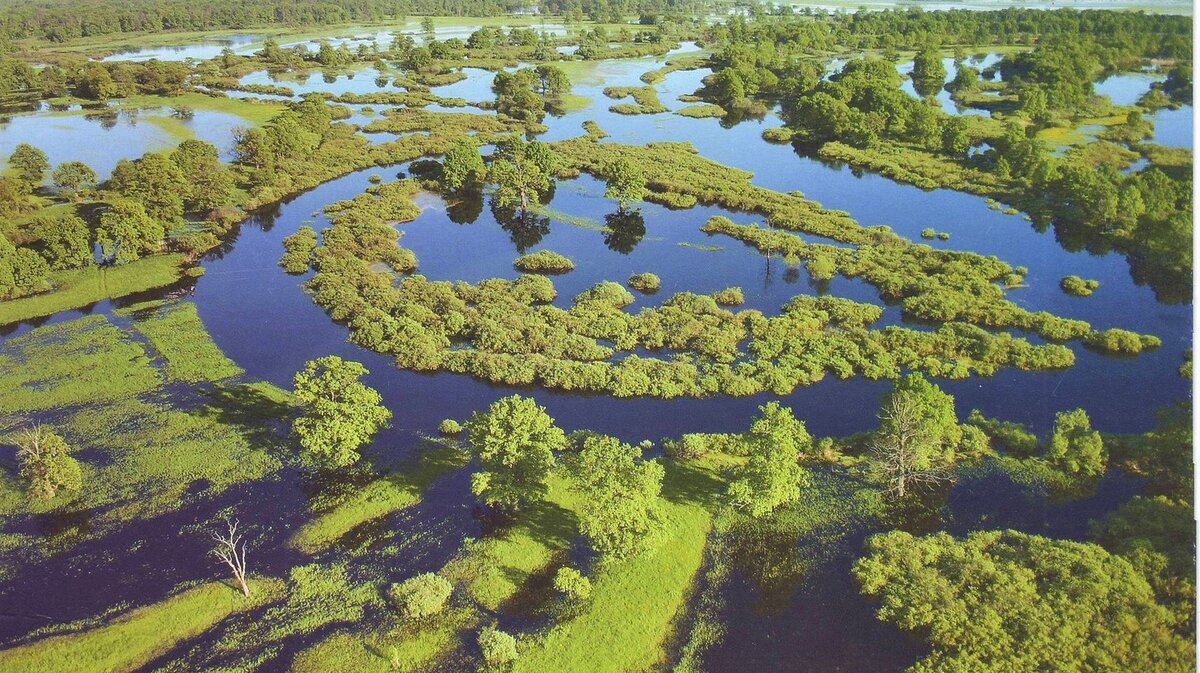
(231, 549)
(905, 455)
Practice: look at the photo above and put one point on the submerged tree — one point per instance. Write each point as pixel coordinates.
(621, 491)
(626, 183)
(1074, 447)
(231, 550)
(772, 476)
(515, 440)
(918, 432)
(522, 171)
(463, 165)
(340, 412)
(46, 463)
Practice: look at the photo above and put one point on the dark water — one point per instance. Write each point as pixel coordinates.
(264, 321)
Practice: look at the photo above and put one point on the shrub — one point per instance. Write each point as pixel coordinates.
(499, 648)
(928, 233)
(1076, 286)
(572, 585)
(731, 296)
(450, 427)
(420, 596)
(544, 261)
(646, 283)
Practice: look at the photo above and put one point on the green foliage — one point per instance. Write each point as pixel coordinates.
(1014, 437)
(463, 165)
(73, 178)
(450, 427)
(621, 491)
(298, 250)
(1074, 285)
(646, 283)
(626, 183)
(645, 100)
(1004, 601)
(127, 232)
(522, 171)
(340, 413)
(514, 441)
(75, 288)
(159, 184)
(499, 648)
(544, 261)
(1074, 447)
(421, 596)
(917, 437)
(46, 464)
(731, 296)
(30, 163)
(772, 477)
(575, 587)
(66, 240)
(22, 271)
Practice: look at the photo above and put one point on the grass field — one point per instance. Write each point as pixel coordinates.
(176, 332)
(80, 287)
(138, 637)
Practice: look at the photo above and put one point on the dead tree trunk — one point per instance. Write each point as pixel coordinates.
(231, 550)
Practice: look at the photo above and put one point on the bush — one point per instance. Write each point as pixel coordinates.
(572, 585)
(731, 296)
(499, 648)
(928, 233)
(544, 261)
(646, 283)
(1076, 286)
(420, 596)
(450, 427)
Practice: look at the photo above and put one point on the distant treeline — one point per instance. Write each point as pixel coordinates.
(61, 20)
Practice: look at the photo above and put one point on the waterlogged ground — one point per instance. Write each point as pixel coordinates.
(810, 618)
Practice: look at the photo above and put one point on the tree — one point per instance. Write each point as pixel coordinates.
(340, 413)
(421, 596)
(126, 233)
(73, 177)
(621, 490)
(230, 549)
(96, 83)
(928, 73)
(210, 182)
(772, 476)
(552, 81)
(30, 163)
(22, 271)
(521, 172)
(918, 432)
(499, 648)
(46, 463)
(626, 183)
(157, 183)
(1074, 447)
(463, 165)
(65, 241)
(1008, 601)
(573, 585)
(514, 440)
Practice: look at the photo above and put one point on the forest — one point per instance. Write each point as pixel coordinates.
(595, 337)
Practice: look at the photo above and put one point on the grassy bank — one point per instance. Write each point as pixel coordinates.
(176, 332)
(138, 637)
(80, 287)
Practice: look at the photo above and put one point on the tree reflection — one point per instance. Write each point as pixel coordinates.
(526, 229)
(624, 230)
(465, 207)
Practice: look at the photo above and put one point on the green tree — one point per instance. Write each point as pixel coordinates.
(928, 73)
(210, 182)
(499, 648)
(626, 183)
(96, 83)
(30, 163)
(340, 412)
(421, 596)
(66, 241)
(573, 585)
(73, 177)
(46, 463)
(772, 476)
(158, 184)
(917, 436)
(1074, 447)
(127, 233)
(521, 172)
(552, 81)
(621, 491)
(1008, 601)
(22, 271)
(514, 440)
(463, 165)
